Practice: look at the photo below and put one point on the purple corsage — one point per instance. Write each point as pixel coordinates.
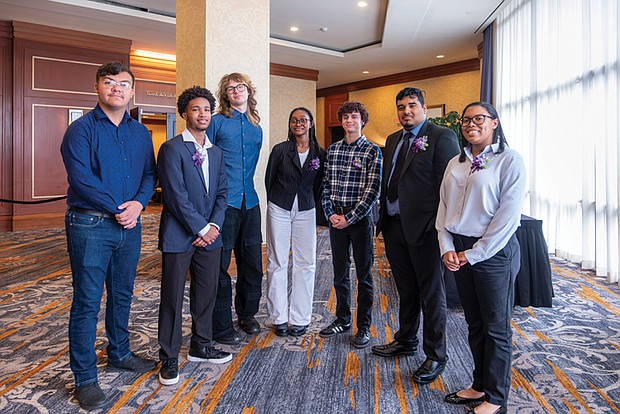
(198, 158)
(480, 162)
(357, 163)
(315, 163)
(420, 144)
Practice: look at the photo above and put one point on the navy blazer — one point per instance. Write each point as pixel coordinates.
(188, 207)
(286, 178)
(418, 187)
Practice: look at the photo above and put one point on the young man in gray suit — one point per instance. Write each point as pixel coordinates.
(415, 160)
(192, 176)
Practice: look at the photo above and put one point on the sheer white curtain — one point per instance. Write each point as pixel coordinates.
(557, 90)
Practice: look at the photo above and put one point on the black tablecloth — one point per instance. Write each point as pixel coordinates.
(533, 286)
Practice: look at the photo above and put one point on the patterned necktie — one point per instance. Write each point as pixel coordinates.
(392, 193)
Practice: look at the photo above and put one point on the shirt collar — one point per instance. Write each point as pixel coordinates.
(188, 137)
(99, 114)
(357, 142)
(415, 131)
(489, 148)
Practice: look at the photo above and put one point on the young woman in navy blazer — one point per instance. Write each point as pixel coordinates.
(293, 181)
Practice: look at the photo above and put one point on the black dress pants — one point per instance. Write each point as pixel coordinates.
(203, 267)
(486, 290)
(418, 274)
(241, 231)
(358, 236)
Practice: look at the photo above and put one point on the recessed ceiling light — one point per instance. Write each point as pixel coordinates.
(324, 29)
(362, 4)
(365, 72)
(293, 28)
(440, 56)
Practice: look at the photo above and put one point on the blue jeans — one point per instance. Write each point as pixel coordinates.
(100, 250)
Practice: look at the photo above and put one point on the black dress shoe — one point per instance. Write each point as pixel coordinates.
(232, 338)
(428, 371)
(90, 396)
(250, 326)
(394, 348)
(281, 329)
(297, 330)
(454, 398)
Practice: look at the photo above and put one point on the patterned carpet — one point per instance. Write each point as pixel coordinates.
(566, 359)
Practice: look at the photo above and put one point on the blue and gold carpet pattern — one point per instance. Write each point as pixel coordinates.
(566, 358)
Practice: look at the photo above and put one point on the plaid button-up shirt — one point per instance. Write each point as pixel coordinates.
(352, 178)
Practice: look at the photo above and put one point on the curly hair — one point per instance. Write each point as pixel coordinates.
(113, 68)
(225, 107)
(192, 93)
(350, 107)
(498, 133)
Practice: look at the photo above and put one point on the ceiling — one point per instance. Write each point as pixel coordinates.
(384, 38)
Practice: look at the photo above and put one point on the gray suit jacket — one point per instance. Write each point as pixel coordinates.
(188, 206)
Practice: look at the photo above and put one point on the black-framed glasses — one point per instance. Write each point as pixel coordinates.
(110, 83)
(240, 88)
(478, 119)
(302, 121)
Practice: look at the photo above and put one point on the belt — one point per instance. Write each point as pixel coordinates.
(91, 212)
(342, 210)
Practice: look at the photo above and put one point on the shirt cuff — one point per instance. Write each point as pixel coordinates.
(205, 230)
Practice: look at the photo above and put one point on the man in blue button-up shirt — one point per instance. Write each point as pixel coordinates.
(236, 131)
(111, 172)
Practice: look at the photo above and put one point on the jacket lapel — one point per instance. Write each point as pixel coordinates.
(192, 150)
(423, 131)
(294, 156)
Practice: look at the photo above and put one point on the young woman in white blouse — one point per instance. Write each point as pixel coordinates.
(481, 198)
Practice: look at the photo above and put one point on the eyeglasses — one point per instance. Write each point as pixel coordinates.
(240, 88)
(302, 121)
(478, 119)
(110, 83)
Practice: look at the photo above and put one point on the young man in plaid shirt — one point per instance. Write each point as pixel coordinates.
(352, 185)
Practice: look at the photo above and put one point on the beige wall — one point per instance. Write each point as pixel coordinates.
(455, 91)
(284, 95)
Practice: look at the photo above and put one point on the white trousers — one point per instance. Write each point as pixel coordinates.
(286, 228)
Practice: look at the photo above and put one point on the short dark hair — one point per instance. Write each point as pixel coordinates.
(352, 106)
(192, 93)
(412, 93)
(113, 68)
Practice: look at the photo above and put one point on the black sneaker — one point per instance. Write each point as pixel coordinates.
(169, 372)
(133, 363)
(208, 354)
(90, 396)
(336, 327)
(361, 338)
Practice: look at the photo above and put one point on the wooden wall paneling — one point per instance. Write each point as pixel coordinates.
(49, 79)
(6, 125)
(332, 104)
(155, 95)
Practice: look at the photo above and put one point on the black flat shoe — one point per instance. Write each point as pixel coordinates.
(281, 329)
(394, 348)
(500, 410)
(453, 398)
(297, 330)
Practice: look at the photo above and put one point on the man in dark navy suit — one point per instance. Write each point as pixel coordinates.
(192, 175)
(415, 160)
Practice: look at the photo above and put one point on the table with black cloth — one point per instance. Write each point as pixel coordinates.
(533, 286)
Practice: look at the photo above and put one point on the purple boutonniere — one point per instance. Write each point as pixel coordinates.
(357, 163)
(420, 144)
(480, 162)
(198, 158)
(315, 163)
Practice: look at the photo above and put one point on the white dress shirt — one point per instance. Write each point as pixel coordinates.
(188, 137)
(485, 203)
